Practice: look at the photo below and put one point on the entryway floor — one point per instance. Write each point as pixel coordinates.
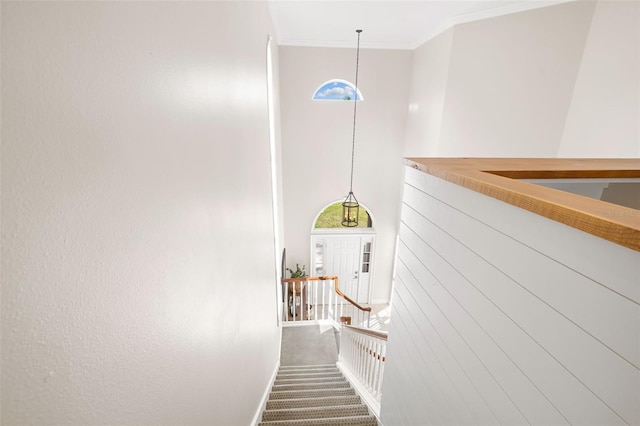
(315, 344)
(311, 344)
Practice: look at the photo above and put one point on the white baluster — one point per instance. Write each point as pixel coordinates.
(359, 360)
(365, 358)
(376, 369)
(372, 363)
(304, 301)
(293, 301)
(383, 354)
(330, 307)
(315, 300)
(363, 355)
(324, 289)
(368, 357)
(336, 301)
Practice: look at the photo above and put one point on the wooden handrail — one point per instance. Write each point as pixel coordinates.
(369, 332)
(499, 178)
(335, 285)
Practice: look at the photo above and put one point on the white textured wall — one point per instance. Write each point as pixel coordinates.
(137, 235)
(510, 82)
(429, 73)
(316, 140)
(556, 81)
(604, 117)
(501, 316)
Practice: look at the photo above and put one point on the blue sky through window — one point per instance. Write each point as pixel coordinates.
(336, 90)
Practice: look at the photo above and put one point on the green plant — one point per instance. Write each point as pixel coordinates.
(298, 273)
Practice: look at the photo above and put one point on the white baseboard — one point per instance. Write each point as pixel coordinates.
(380, 301)
(257, 418)
(361, 390)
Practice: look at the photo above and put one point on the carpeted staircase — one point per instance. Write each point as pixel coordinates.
(314, 395)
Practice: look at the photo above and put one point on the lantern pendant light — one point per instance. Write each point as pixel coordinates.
(350, 206)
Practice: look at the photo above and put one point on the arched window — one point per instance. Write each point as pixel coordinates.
(331, 217)
(337, 90)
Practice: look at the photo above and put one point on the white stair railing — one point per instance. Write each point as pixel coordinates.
(362, 358)
(320, 298)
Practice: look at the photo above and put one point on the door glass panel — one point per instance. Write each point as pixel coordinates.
(318, 267)
(366, 257)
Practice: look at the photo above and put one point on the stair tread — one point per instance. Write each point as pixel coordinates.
(309, 376)
(308, 373)
(322, 401)
(315, 412)
(308, 370)
(293, 381)
(314, 395)
(305, 386)
(310, 393)
(312, 380)
(307, 366)
(335, 421)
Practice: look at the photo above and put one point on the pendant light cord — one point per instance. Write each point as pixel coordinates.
(355, 108)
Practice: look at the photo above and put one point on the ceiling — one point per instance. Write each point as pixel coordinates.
(390, 24)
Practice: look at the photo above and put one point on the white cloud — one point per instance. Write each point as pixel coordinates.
(336, 90)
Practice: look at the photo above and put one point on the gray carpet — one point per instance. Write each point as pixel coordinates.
(315, 395)
(308, 345)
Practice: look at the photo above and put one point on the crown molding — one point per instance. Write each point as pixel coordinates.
(345, 44)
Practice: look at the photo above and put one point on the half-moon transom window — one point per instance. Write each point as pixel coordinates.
(331, 217)
(337, 90)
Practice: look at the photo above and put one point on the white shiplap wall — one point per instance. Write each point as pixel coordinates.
(501, 316)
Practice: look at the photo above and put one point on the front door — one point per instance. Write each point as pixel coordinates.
(347, 256)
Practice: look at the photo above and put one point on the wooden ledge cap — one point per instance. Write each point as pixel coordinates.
(498, 178)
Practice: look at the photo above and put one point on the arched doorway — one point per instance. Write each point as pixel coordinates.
(345, 252)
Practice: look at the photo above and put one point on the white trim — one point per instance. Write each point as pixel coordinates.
(380, 302)
(273, 162)
(365, 395)
(257, 418)
(274, 23)
(345, 44)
